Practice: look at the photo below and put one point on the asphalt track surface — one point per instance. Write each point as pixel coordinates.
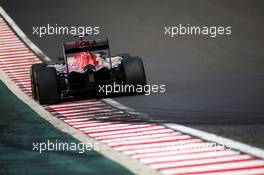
(213, 84)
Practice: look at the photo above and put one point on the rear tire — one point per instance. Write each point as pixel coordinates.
(34, 69)
(46, 81)
(133, 71)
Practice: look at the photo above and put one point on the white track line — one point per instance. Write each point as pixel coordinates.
(218, 139)
(202, 134)
(23, 37)
(201, 161)
(216, 167)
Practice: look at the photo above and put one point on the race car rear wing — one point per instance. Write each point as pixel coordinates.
(85, 45)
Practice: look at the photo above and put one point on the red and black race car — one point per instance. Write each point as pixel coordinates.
(87, 65)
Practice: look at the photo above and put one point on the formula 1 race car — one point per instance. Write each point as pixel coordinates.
(87, 66)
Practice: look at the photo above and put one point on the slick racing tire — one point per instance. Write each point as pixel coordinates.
(133, 71)
(33, 70)
(46, 81)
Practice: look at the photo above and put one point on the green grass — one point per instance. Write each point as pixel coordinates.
(20, 127)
